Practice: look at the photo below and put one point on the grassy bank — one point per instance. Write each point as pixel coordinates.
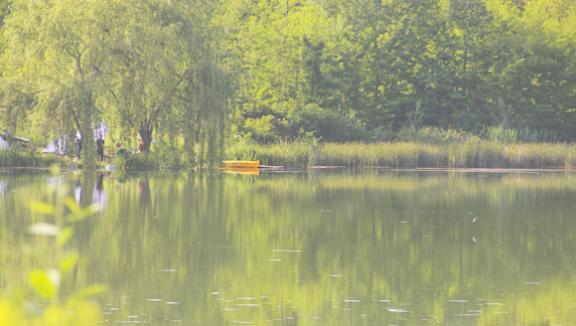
(467, 154)
(22, 159)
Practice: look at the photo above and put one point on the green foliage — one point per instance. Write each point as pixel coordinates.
(66, 67)
(389, 66)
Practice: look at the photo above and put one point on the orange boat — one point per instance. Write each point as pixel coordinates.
(241, 164)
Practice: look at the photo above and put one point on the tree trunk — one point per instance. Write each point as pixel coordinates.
(88, 144)
(146, 130)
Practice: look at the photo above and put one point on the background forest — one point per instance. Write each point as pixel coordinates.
(197, 76)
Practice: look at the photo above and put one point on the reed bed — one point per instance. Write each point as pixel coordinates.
(475, 153)
(380, 154)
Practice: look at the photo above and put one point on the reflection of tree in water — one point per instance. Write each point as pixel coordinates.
(84, 194)
(83, 190)
(90, 190)
(3, 188)
(99, 195)
(144, 189)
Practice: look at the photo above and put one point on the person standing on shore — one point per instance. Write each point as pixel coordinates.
(100, 148)
(78, 142)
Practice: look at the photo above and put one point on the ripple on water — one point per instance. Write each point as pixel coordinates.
(154, 300)
(533, 283)
(130, 322)
(247, 305)
(467, 315)
(397, 310)
(350, 300)
(289, 251)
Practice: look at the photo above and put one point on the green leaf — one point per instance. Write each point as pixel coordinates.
(64, 236)
(83, 213)
(43, 284)
(71, 204)
(42, 208)
(68, 263)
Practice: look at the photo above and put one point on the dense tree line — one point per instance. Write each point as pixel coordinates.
(184, 72)
(356, 69)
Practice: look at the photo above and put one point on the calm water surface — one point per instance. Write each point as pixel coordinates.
(370, 248)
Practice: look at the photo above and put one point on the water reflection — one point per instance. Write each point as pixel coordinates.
(144, 187)
(89, 186)
(99, 195)
(336, 249)
(3, 188)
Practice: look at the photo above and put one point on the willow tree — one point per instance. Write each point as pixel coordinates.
(204, 101)
(58, 50)
(206, 92)
(147, 62)
(166, 78)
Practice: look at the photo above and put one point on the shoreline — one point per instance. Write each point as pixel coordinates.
(320, 168)
(476, 154)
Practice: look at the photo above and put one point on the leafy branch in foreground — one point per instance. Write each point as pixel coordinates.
(44, 302)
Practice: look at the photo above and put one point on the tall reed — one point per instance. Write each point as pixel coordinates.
(471, 153)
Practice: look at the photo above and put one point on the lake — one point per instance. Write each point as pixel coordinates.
(373, 247)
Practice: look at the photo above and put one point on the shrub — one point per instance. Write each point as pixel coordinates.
(138, 161)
